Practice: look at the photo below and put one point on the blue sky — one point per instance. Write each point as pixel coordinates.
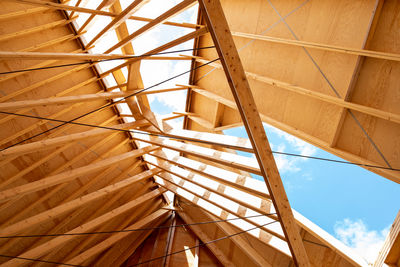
(327, 192)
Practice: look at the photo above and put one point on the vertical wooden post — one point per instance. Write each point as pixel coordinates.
(229, 57)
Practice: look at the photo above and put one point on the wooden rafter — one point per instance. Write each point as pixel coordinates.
(58, 241)
(240, 88)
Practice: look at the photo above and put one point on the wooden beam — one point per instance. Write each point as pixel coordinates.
(61, 100)
(355, 74)
(93, 13)
(228, 159)
(120, 241)
(172, 186)
(170, 241)
(392, 175)
(43, 82)
(44, 248)
(52, 5)
(239, 182)
(213, 139)
(69, 175)
(390, 251)
(83, 212)
(316, 95)
(205, 238)
(49, 214)
(124, 15)
(9, 55)
(159, 49)
(240, 241)
(244, 200)
(103, 4)
(20, 13)
(9, 76)
(49, 143)
(240, 88)
(228, 126)
(41, 161)
(160, 19)
(58, 23)
(319, 46)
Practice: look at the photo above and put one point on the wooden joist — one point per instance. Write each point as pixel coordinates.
(124, 15)
(159, 49)
(177, 185)
(79, 259)
(392, 175)
(61, 100)
(49, 143)
(241, 91)
(160, 19)
(324, 47)
(237, 181)
(206, 239)
(69, 175)
(19, 227)
(228, 159)
(316, 95)
(8, 36)
(240, 241)
(44, 248)
(245, 200)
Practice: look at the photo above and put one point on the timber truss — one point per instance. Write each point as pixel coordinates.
(74, 165)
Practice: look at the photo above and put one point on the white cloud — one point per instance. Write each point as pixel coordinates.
(355, 234)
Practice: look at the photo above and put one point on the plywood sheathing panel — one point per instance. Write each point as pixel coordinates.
(332, 23)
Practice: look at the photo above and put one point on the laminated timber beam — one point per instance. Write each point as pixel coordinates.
(390, 251)
(228, 159)
(124, 15)
(116, 198)
(206, 239)
(102, 207)
(56, 141)
(241, 91)
(11, 75)
(159, 49)
(103, 4)
(36, 164)
(69, 175)
(324, 47)
(239, 182)
(198, 180)
(93, 12)
(61, 100)
(75, 56)
(44, 82)
(239, 240)
(46, 247)
(79, 259)
(316, 95)
(354, 78)
(78, 212)
(223, 214)
(160, 19)
(19, 227)
(175, 186)
(59, 23)
(222, 140)
(392, 175)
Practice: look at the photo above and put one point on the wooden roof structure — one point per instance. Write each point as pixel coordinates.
(84, 184)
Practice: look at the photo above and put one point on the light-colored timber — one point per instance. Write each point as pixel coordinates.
(94, 173)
